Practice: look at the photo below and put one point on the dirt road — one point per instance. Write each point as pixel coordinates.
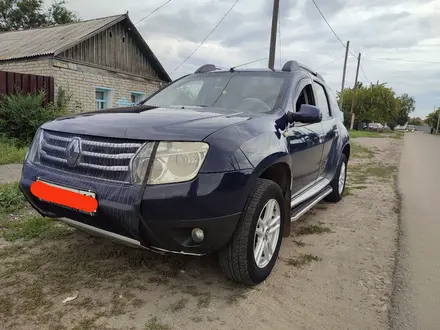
(334, 272)
(417, 297)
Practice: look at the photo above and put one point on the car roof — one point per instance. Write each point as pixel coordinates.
(288, 68)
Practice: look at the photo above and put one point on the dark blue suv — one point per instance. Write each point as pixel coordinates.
(218, 161)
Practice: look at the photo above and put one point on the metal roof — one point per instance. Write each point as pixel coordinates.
(47, 41)
(52, 40)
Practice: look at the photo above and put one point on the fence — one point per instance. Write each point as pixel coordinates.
(14, 83)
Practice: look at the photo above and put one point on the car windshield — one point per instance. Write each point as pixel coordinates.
(230, 91)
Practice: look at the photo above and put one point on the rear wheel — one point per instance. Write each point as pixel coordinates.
(253, 249)
(338, 182)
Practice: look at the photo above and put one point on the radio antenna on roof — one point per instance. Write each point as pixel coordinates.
(237, 66)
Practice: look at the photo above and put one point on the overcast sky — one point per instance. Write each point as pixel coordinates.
(403, 29)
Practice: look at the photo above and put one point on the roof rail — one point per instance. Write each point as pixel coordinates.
(206, 68)
(290, 66)
(294, 65)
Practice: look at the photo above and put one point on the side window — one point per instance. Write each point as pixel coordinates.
(322, 100)
(305, 97)
(102, 98)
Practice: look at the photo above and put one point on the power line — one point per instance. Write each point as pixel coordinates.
(261, 59)
(322, 67)
(328, 24)
(363, 72)
(206, 38)
(152, 12)
(401, 60)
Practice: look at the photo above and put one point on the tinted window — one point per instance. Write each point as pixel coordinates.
(321, 100)
(234, 92)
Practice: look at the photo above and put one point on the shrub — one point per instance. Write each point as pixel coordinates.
(22, 114)
(10, 152)
(11, 198)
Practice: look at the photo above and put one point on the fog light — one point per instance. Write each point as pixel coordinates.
(197, 235)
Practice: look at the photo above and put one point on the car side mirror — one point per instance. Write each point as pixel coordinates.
(307, 114)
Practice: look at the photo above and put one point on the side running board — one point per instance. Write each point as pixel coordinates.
(296, 213)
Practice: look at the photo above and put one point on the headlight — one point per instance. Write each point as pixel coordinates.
(174, 162)
(33, 154)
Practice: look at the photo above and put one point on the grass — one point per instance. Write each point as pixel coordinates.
(299, 243)
(397, 135)
(35, 227)
(154, 324)
(178, 305)
(5, 305)
(312, 229)
(11, 198)
(381, 171)
(10, 153)
(196, 319)
(85, 324)
(159, 280)
(302, 259)
(356, 134)
(359, 151)
(138, 303)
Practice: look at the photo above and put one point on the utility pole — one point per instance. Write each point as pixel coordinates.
(438, 120)
(273, 34)
(354, 92)
(343, 75)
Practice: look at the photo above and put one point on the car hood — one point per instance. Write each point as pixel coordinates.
(149, 123)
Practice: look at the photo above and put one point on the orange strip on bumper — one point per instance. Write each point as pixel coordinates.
(64, 197)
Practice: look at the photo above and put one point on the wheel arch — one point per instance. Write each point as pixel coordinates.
(346, 150)
(280, 172)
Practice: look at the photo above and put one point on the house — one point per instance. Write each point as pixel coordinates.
(101, 63)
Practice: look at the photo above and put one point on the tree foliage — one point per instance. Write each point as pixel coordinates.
(416, 121)
(377, 103)
(27, 14)
(432, 118)
(22, 114)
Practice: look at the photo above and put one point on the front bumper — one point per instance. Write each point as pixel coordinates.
(157, 217)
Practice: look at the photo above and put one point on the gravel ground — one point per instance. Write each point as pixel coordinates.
(10, 173)
(334, 272)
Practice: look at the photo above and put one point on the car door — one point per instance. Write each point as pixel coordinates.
(329, 126)
(304, 141)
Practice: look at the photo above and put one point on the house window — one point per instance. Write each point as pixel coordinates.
(137, 97)
(102, 97)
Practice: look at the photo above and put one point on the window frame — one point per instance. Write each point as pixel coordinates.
(105, 101)
(300, 87)
(139, 97)
(330, 112)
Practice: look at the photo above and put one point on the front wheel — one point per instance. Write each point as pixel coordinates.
(253, 249)
(338, 182)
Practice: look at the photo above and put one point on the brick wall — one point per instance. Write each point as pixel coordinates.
(81, 81)
(38, 67)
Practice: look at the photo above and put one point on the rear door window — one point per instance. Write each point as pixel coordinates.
(322, 100)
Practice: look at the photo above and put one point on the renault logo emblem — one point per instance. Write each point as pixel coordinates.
(73, 152)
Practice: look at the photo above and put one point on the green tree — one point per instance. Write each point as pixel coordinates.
(377, 103)
(59, 14)
(406, 105)
(416, 121)
(27, 14)
(432, 118)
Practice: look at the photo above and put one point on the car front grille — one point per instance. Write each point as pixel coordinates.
(106, 158)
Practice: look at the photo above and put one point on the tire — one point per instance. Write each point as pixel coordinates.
(237, 258)
(337, 193)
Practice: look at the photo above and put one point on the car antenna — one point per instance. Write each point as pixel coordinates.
(237, 66)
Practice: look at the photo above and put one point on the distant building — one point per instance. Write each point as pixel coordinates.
(103, 62)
